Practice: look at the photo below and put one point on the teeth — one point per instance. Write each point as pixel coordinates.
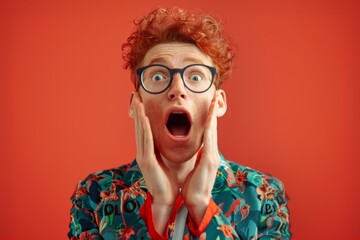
(177, 112)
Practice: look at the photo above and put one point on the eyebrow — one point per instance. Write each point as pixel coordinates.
(193, 59)
(158, 59)
(166, 59)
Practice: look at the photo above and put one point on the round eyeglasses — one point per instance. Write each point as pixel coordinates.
(157, 78)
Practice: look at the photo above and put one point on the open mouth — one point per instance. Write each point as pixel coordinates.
(178, 124)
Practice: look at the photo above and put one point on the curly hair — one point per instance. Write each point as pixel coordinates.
(177, 25)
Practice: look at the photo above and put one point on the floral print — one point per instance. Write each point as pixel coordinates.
(249, 205)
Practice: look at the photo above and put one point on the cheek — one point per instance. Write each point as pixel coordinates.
(149, 104)
(153, 112)
(202, 112)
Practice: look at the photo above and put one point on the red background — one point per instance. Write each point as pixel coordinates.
(293, 105)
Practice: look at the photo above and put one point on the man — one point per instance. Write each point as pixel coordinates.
(179, 186)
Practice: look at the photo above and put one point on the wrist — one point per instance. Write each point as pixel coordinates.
(161, 213)
(197, 211)
(198, 228)
(197, 199)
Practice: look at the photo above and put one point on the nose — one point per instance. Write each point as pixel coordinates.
(177, 88)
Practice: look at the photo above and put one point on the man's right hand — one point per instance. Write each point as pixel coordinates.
(158, 178)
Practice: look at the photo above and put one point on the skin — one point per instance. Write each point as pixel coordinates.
(167, 162)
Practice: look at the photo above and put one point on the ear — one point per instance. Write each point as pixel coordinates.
(131, 115)
(222, 107)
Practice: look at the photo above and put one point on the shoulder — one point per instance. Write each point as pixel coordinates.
(246, 177)
(121, 176)
(103, 178)
(105, 182)
(266, 198)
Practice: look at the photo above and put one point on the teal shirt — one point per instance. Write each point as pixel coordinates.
(251, 205)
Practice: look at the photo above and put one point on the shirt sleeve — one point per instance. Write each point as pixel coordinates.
(213, 224)
(83, 222)
(273, 220)
(259, 212)
(147, 216)
(274, 214)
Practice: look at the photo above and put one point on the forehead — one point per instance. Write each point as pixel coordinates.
(176, 54)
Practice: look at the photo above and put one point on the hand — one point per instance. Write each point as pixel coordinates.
(200, 181)
(157, 176)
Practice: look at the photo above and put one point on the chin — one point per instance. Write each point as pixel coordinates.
(179, 154)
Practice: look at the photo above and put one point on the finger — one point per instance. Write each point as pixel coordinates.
(144, 134)
(137, 134)
(131, 112)
(212, 117)
(210, 150)
(138, 128)
(148, 144)
(211, 124)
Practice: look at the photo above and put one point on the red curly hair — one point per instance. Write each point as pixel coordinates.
(177, 25)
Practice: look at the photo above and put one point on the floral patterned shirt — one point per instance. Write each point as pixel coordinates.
(115, 204)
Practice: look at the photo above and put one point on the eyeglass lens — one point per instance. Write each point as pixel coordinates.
(197, 78)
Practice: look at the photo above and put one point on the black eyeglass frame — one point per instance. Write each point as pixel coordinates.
(172, 71)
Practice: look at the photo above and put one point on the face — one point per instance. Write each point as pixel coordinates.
(178, 116)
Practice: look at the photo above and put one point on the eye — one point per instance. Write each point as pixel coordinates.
(196, 77)
(158, 77)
